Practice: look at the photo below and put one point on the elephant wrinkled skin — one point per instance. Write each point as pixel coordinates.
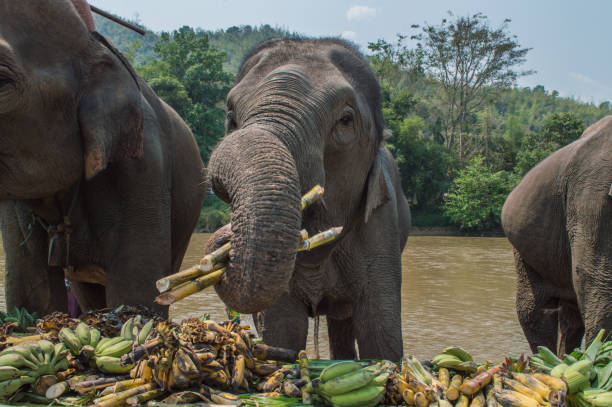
(307, 112)
(559, 220)
(98, 177)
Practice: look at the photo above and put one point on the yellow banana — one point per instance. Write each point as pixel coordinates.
(238, 372)
(518, 387)
(534, 384)
(555, 383)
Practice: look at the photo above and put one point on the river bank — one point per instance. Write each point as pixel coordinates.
(453, 231)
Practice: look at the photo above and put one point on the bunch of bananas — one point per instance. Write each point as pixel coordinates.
(82, 339)
(108, 351)
(455, 358)
(347, 383)
(24, 363)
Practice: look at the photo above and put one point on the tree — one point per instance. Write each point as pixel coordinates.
(469, 58)
(189, 76)
(560, 130)
(476, 196)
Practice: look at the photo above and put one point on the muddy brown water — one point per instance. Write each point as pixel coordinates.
(455, 291)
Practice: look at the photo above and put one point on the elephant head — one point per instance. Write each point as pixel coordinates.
(69, 103)
(303, 112)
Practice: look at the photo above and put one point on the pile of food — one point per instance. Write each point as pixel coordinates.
(129, 356)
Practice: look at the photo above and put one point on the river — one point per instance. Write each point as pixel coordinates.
(455, 291)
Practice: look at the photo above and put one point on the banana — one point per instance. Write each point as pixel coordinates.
(16, 360)
(8, 387)
(509, 398)
(548, 356)
(520, 388)
(558, 370)
(143, 335)
(186, 364)
(23, 351)
(291, 390)
(338, 369)
(238, 372)
(446, 360)
(117, 350)
(36, 351)
(103, 345)
(9, 372)
(69, 338)
(458, 352)
(554, 383)
(179, 378)
(224, 398)
(347, 382)
(408, 396)
(82, 332)
(59, 353)
(365, 396)
(94, 337)
(108, 364)
(542, 389)
(381, 379)
(127, 329)
(47, 349)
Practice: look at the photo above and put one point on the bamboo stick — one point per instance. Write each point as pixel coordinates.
(122, 386)
(190, 287)
(116, 399)
(320, 239)
(146, 396)
(312, 196)
(117, 20)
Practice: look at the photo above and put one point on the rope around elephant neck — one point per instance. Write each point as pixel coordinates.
(53, 231)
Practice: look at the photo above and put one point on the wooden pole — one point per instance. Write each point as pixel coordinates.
(117, 20)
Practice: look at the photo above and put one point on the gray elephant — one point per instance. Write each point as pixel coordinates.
(100, 181)
(559, 220)
(307, 112)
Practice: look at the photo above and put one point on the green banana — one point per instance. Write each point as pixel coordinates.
(16, 360)
(144, 332)
(9, 372)
(47, 349)
(460, 353)
(347, 382)
(445, 360)
(103, 345)
(365, 396)
(127, 329)
(381, 379)
(94, 337)
(59, 352)
(82, 332)
(558, 370)
(548, 356)
(338, 369)
(69, 338)
(108, 364)
(8, 387)
(36, 351)
(118, 349)
(23, 351)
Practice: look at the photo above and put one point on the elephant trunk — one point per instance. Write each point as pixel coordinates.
(256, 173)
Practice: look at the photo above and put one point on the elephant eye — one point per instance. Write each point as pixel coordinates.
(348, 116)
(230, 120)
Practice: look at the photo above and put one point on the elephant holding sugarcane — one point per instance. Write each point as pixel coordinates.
(100, 181)
(302, 113)
(559, 220)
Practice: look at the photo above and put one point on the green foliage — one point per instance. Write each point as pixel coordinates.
(560, 130)
(215, 213)
(136, 47)
(188, 75)
(476, 196)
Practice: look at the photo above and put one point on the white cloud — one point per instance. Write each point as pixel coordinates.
(349, 35)
(584, 79)
(360, 13)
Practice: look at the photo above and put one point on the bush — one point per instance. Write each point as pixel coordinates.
(214, 214)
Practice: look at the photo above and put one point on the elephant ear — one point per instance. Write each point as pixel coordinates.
(379, 185)
(110, 112)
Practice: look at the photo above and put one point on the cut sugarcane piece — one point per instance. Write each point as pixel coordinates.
(190, 287)
(320, 239)
(218, 256)
(174, 280)
(312, 196)
(117, 399)
(142, 397)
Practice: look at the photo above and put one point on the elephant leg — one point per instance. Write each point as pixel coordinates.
(537, 306)
(89, 296)
(29, 281)
(341, 338)
(571, 327)
(284, 324)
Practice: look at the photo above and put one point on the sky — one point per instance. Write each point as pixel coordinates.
(570, 40)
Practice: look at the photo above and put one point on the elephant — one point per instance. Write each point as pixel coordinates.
(558, 219)
(305, 112)
(101, 182)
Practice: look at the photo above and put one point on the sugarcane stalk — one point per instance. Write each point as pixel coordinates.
(173, 280)
(185, 397)
(312, 196)
(116, 399)
(190, 287)
(146, 396)
(320, 239)
(122, 386)
(91, 385)
(57, 390)
(16, 340)
(218, 256)
(304, 375)
(303, 234)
